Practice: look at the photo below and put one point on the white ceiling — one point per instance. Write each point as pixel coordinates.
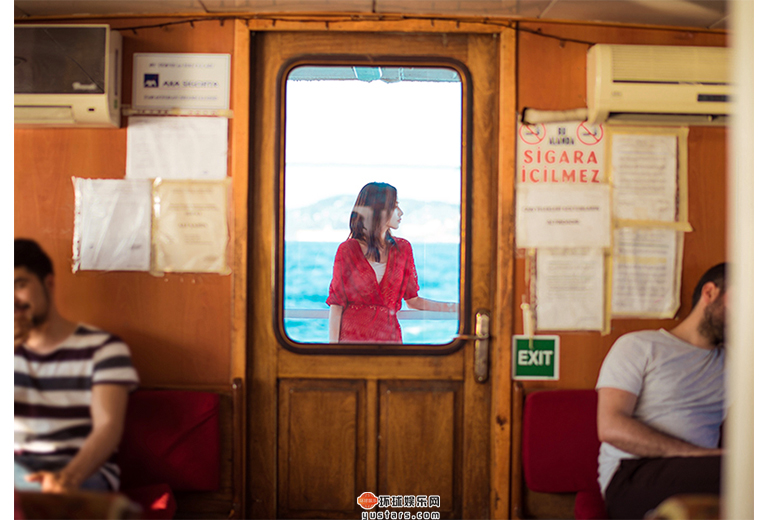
(704, 14)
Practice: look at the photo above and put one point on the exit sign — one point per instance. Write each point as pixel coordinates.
(535, 357)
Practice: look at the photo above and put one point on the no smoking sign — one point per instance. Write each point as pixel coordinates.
(590, 134)
(532, 134)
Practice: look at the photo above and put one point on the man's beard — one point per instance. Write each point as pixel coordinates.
(40, 316)
(712, 326)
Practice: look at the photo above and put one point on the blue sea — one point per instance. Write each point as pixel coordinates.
(309, 272)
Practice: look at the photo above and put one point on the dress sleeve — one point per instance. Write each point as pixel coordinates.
(411, 287)
(337, 295)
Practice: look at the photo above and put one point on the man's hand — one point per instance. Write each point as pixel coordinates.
(52, 482)
(21, 328)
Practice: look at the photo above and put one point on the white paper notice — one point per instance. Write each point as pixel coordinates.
(177, 148)
(190, 226)
(646, 272)
(562, 216)
(570, 289)
(112, 224)
(644, 177)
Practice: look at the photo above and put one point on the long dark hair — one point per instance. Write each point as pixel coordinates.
(374, 206)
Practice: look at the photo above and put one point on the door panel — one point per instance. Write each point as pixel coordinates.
(420, 432)
(321, 417)
(326, 427)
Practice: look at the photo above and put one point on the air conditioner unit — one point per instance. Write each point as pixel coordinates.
(67, 75)
(658, 84)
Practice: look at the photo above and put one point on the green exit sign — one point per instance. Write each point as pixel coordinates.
(535, 357)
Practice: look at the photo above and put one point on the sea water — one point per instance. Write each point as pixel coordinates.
(309, 272)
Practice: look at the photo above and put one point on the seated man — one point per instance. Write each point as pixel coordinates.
(661, 405)
(71, 385)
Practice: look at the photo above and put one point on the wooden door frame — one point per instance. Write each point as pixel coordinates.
(247, 236)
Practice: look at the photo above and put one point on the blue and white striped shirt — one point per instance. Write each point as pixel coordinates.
(52, 394)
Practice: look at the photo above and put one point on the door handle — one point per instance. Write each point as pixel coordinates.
(481, 346)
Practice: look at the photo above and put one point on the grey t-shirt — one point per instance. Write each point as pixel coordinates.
(679, 389)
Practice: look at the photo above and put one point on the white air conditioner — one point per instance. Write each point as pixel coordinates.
(67, 75)
(658, 84)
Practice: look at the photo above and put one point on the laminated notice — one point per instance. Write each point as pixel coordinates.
(190, 231)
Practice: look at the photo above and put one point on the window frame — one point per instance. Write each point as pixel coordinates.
(279, 267)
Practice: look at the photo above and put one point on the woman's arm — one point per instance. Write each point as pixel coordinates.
(335, 316)
(424, 304)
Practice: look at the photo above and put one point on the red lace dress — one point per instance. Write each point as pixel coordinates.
(369, 308)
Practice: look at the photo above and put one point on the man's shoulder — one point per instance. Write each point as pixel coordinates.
(640, 338)
(637, 345)
(89, 337)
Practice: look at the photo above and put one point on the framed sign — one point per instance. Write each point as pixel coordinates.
(187, 81)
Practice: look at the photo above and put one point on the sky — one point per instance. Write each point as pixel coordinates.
(342, 134)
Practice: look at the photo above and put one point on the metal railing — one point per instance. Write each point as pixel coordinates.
(323, 314)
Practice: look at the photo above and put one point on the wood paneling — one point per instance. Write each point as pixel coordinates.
(177, 325)
(322, 448)
(502, 325)
(420, 438)
(551, 75)
(185, 329)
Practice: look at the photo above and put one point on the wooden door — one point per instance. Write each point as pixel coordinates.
(327, 425)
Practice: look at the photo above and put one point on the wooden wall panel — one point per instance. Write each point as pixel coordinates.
(319, 422)
(178, 326)
(552, 76)
(420, 428)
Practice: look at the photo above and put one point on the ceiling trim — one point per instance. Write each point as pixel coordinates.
(501, 21)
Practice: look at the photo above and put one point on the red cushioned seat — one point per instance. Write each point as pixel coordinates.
(171, 439)
(157, 501)
(560, 447)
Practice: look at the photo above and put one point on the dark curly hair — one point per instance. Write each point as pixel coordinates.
(27, 253)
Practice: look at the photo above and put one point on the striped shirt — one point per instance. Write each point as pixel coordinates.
(52, 394)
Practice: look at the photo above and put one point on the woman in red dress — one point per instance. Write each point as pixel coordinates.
(373, 272)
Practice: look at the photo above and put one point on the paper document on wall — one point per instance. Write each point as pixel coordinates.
(646, 273)
(190, 226)
(562, 216)
(570, 289)
(176, 148)
(112, 224)
(644, 176)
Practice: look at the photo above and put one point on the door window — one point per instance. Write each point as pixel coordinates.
(346, 127)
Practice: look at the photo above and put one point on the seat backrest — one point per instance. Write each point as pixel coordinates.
(560, 445)
(171, 437)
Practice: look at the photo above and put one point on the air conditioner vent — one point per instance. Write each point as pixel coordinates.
(67, 75)
(658, 83)
(661, 64)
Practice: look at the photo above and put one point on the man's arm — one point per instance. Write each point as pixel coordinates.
(108, 413)
(617, 426)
